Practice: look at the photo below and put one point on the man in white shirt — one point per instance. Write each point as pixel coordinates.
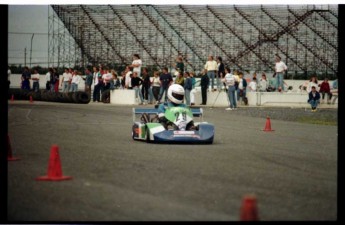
(128, 82)
(35, 81)
(66, 80)
(280, 69)
(136, 64)
(212, 67)
(75, 81)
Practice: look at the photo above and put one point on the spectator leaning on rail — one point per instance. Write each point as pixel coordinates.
(325, 89)
(35, 81)
(314, 98)
(280, 69)
(211, 66)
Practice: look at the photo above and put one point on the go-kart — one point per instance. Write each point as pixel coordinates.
(178, 128)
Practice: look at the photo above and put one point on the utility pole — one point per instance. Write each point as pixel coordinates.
(25, 57)
(31, 49)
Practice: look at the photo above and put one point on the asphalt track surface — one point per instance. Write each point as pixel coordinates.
(292, 171)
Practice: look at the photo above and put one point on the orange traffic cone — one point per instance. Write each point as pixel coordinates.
(268, 125)
(249, 211)
(54, 167)
(9, 151)
(31, 101)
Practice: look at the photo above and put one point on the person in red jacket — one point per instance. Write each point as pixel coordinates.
(325, 89)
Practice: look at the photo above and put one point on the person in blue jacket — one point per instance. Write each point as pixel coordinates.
(314, 98)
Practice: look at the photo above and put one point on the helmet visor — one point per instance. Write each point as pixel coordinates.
(177, 96)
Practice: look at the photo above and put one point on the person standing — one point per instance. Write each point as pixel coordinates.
(192, 93)
(66, 80)
(280, 69)
(48, 76)
(204, 83)
(136, 64)
(179, 66)
(156, 85)
(75, 81)
(325, 89)
(180, 79)
(128, 77)
(165, 80)
(242, 88)
(26, 76)
(8, 77)
(220, 72)
(252, 85)
(88, 81)
(136, 82)
(188, 85)
(229, 81)
(55, 87)
(314, 98)
(145, 87)
(211, 66)
(35, 81)
(97, 80)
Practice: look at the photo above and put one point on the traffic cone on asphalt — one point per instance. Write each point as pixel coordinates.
(54, 167)
(31, 101)
(268, 125)
(249, 211)
(9, 151)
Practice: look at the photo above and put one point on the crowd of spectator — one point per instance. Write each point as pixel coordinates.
(151, 87)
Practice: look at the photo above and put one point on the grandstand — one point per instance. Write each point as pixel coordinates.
(246, 36)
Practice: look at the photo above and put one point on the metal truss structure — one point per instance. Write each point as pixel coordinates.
(246, 36)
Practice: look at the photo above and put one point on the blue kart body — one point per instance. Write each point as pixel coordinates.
(157, 133)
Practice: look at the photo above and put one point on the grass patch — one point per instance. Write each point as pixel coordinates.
(318, 121)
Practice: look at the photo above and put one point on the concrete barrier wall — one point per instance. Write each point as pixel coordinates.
(122, 97)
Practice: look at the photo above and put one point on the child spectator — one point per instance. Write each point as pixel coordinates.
(314, 98)
(325, 89)
(252, 85)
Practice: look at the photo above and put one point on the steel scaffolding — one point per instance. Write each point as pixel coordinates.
(247, 37)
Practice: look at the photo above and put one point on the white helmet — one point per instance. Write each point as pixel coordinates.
(176, 93)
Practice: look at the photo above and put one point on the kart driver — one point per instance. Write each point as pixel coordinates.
(175, 99)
